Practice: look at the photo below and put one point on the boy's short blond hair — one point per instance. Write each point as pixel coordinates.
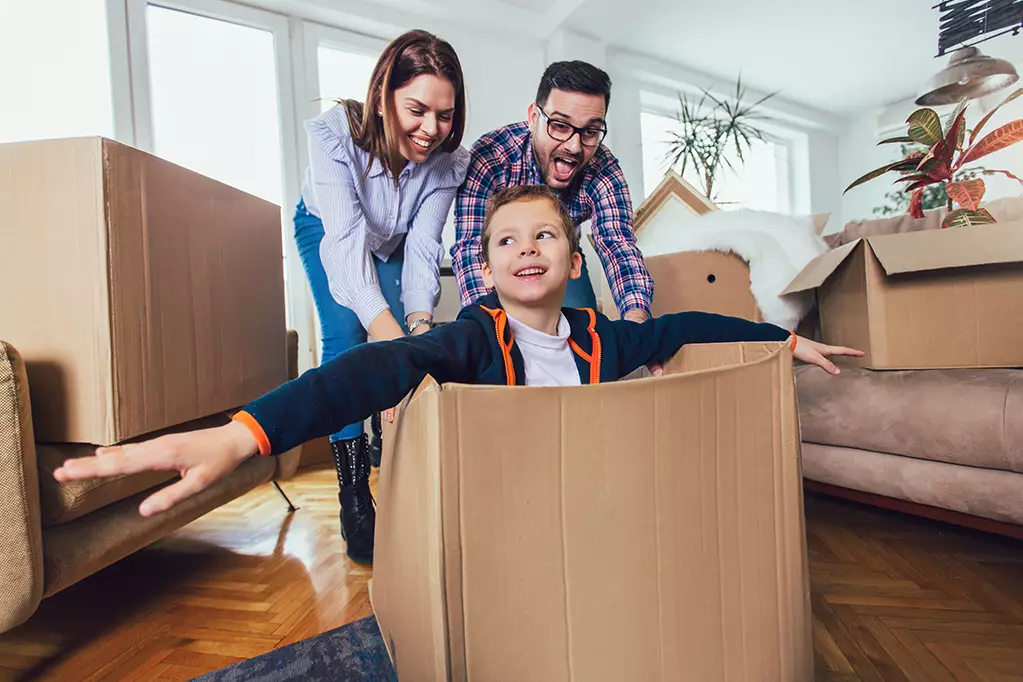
(511, 195)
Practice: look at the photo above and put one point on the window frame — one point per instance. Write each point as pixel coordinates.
(788, 138)
(772, 133)
(138, 125)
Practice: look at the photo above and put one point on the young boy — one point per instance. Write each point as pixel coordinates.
(518, 336)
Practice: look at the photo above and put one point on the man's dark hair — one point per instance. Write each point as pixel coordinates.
(574, 76)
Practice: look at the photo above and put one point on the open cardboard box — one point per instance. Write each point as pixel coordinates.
(924, 300)
(639, 530)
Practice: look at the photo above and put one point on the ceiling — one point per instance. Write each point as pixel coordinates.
(839, 57)
(836, 57)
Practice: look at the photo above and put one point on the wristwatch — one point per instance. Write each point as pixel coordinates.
(418, 321)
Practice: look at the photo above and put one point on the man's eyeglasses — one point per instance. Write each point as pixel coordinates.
(562, 131)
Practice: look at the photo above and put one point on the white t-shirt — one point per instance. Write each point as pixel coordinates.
(548, 360)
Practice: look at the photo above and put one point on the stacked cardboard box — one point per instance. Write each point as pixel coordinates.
(924, 300)
(141, 295)
(640, 530)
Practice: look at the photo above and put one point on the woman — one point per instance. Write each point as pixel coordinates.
(381, 179)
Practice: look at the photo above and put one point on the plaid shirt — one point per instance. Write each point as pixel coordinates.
(504, 158)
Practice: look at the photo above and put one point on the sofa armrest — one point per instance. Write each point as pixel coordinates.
(21, 544)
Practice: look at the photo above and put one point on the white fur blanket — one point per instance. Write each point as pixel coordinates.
(776, 246)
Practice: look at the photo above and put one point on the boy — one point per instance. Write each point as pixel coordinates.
(519, 336)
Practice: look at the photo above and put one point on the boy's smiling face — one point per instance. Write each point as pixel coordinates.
(530, 258)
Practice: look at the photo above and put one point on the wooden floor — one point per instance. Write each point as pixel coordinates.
(894, 597)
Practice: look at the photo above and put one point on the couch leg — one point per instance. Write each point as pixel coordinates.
(291, 507)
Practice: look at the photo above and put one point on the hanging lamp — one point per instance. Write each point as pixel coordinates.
(969, 75)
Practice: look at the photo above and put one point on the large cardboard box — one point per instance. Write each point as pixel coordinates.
(711, 281)
(641, 530)
(924, 300)
(141, 295)
(708, 281)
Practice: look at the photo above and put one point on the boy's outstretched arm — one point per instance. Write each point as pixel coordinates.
(366, 379)
(657, 339)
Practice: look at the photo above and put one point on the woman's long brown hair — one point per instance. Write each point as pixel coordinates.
(409, 55)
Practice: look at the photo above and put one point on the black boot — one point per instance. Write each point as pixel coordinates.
(376, 448)
(358, 517)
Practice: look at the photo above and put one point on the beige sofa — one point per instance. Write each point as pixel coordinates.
(946, 439)
(54, 534)
(947, 444)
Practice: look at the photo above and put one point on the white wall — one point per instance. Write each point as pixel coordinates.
(858, 154)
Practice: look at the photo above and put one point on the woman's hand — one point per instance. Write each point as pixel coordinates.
(422, 327)
(816, 353)
(385, 328)
(200, 457)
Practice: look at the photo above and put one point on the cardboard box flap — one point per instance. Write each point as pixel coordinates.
(703, 357)
(951, 248)
(819, 269)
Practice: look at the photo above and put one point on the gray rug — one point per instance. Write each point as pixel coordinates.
(352, 653)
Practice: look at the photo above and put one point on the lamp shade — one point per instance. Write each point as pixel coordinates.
(969, 75)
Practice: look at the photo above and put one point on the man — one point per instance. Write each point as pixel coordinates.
(558, 145)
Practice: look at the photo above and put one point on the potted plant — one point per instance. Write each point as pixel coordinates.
(947, 153)
(705, 133)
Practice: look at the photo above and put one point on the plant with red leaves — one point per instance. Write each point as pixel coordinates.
(948, 152)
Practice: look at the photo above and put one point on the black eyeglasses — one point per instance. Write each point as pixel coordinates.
(562, 131)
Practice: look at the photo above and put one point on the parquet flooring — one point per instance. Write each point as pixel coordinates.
(240, 581)
(894, 597)
(897, 598)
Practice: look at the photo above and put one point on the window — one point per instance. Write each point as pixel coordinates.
(759, 182)
(213, 94)
(342, 75)
(55, 81)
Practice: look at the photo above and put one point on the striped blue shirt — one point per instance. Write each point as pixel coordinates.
(365, 216)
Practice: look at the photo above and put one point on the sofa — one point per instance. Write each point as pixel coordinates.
(943, 439)
(53, 534)
(946, 444)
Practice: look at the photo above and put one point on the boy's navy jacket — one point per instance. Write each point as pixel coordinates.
(477, 348)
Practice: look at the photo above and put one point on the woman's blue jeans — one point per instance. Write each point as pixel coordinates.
(340, 326)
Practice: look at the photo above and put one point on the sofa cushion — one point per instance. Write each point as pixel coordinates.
(987, 493)
(69, 500)
(21, 545)
(1004, 210)
(960, 416)
(117, 530)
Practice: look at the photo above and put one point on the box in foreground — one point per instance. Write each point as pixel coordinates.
(141, 295)
(643, 530)
(924, 300)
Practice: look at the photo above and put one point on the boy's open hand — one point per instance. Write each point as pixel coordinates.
(201, 457)
(817, 353)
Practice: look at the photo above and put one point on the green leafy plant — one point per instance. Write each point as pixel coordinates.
(706, 131)
(947, 153)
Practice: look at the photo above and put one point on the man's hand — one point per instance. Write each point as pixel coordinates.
(638, 315)
(816, 353)
(201, 457)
